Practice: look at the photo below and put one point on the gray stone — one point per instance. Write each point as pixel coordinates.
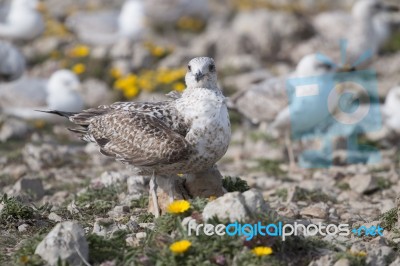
(255, 201)
(29, 187)
(319, 210)
(66, 241)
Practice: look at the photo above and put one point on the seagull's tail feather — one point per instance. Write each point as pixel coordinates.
(60, 113)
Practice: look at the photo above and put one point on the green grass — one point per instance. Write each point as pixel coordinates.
(98, 201)
(353, 259)
(389, 219)
(102, 249)
(14, 211)
(232, 184)
(315, 196)
(270, 167)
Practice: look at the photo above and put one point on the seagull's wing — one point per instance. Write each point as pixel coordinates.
(262, 102)
(133, 133)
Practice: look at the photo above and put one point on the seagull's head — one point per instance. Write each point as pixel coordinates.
(310, 66)
(366, 9)
(63, 81)
(201, 73)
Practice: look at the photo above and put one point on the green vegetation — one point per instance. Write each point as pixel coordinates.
(232, 184)
(389, 219)
(269, 167)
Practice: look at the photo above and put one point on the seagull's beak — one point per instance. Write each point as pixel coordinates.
(346, 68)
(198, 76)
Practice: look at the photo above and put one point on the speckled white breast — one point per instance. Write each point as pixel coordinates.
(206, 112)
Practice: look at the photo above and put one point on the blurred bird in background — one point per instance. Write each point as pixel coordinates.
(22, 97)
(22, 21)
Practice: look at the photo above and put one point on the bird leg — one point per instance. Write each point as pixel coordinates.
(289, 147)
(153, 193)
(167, 189)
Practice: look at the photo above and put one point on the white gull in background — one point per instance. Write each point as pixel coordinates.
(22, 97)
(22, 21)
(366, 29)
(162, 12)
(107, 27)
(12, 63)
(391, 110)
(268, 100)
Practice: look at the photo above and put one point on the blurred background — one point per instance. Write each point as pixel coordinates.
(72, 55)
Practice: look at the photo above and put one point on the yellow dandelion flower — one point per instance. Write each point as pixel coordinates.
(179, 86)
(359, 254)
(158, 51)
(262, 251)
(115, 73)
(79, 51)
(55, 54)
(180, 246)
(24, 259)
(79, 69)
(145, 83)
(178, 206)
(211, 198)
(131, 92)
(180, 175)
(39, 124)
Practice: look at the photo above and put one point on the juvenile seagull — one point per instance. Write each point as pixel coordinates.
(186, 135)
(23, 21)
(12, 63)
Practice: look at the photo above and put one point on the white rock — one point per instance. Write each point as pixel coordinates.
(23, 227)
(231, 206)
(54, 217)
(137, 185)
(141, 235)
(235, 206)
(342, 262)
(319, 210)
(65, 241)
(363, 183)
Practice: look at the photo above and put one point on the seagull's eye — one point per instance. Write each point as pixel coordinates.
(189, 68)
(211, 68)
